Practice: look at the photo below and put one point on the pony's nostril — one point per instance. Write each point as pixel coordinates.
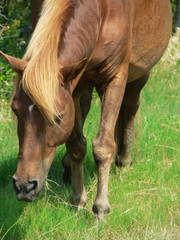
(33, 183)
(17, 188)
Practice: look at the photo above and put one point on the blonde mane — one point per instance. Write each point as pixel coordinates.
(41, 76)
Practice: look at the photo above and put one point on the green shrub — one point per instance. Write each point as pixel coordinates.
(14, 35)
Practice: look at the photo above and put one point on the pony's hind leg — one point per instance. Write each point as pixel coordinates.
(76, 151)
(125, 122)
(67, 169)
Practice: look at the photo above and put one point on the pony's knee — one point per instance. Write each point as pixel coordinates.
(103, 150)
(77, 148)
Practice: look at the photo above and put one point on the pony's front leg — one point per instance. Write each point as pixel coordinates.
(82, 106)
(76, 151)
(104, 143)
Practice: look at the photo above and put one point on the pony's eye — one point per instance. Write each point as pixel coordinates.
(58, 119)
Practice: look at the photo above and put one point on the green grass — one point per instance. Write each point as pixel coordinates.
(144, 198)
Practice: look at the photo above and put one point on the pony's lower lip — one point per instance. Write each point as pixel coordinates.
(27, 197)
(24, 198)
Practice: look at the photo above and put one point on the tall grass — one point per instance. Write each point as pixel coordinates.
(144, 198)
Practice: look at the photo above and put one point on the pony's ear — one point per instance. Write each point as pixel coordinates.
(17, 64)
(71, 73)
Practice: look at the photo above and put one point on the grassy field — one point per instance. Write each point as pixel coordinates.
(144, 198)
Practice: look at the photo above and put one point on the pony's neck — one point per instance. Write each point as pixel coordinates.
(81, 32)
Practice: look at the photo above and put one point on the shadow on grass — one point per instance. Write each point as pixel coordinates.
(12, 212)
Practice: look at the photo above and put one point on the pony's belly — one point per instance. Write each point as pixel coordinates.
(150, 36)
(142, 63)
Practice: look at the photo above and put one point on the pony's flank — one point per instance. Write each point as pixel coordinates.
(41, 76)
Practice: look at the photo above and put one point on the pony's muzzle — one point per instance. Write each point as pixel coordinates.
(25, 191)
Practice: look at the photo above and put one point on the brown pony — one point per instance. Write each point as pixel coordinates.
(77, 45)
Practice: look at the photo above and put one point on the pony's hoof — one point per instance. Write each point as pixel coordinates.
(79, 200)
(101, 209)
(122, 161)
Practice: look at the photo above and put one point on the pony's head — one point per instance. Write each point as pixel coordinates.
(39, 135)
